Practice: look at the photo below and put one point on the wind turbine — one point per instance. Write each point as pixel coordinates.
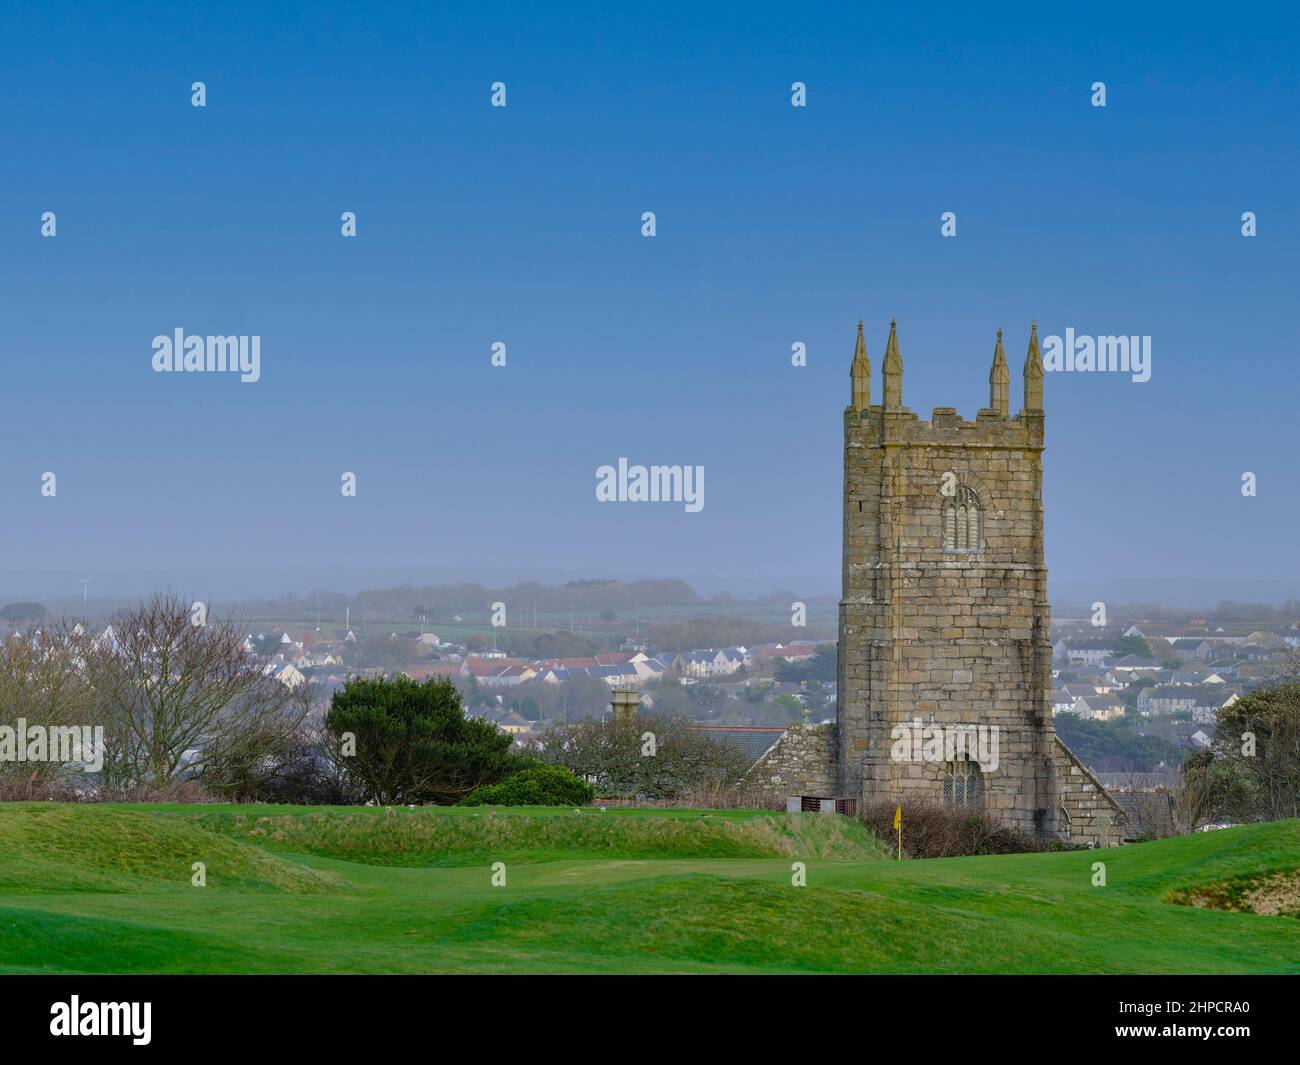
(85, 583)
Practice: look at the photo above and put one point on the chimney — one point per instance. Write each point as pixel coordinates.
(625, 702)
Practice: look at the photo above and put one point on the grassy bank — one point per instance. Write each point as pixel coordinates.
(108, 889)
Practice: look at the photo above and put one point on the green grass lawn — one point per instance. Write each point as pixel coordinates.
(316, 890)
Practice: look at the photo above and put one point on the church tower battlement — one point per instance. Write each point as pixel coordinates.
(944, 616)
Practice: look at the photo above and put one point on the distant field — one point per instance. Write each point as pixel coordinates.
(293, 889)
(821, 616)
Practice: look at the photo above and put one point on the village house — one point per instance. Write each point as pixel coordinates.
(285, 672)
(1092, 652)
(1098, 707)
(625, 674)
(1062, 701)
(795, 652)
(496, 672)
(1105, 681)
(711, 663)
(1201, 701)
(1195, 676)
(1135, 664)
(435, 671)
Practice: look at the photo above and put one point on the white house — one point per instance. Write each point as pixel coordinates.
(285, 672)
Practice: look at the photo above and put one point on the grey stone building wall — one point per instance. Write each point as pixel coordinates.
(804, 761)
(1088, 814)
(942, 634)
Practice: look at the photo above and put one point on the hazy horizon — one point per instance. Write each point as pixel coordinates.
(112, 588)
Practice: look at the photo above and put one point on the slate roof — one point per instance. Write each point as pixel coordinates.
(752, 740)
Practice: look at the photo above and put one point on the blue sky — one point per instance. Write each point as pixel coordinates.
(775, 224)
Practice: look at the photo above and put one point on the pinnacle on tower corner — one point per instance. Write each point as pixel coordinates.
(860, 373)
(1033, 373)
(999, 380)
(893, 370)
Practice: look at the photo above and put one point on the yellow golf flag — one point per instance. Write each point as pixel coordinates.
(898, 818)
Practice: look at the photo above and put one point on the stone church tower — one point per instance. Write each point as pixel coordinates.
(944, 659)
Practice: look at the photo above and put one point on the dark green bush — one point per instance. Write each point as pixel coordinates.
(541, 785)
(413, 743)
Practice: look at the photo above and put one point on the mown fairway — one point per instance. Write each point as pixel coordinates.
(289, 889)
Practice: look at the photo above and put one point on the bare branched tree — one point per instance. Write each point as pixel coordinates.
(43, 682)
(180, 699)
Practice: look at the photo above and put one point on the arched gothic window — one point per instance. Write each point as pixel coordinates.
(962, 785)
(963, 521)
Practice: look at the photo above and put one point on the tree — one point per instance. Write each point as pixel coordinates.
(268, 756)
(23, 613)
(1251, 771)
(816, 698)
(669, 698)
(791, 708)
(621, 760)
(822, 667)
(183, 700)
(413, 743)
(526, 708)
(1098, 742)
(548, 645)
(384, 651)
(1133, 645)
(42, 682)
(266, 643)
(706, 700)
(584, 697)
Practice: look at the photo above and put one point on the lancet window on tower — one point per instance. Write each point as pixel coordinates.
(963, 521)
(962, 785)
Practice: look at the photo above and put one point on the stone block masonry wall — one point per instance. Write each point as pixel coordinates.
(1089, 815)
(952, 637)
(804, 761)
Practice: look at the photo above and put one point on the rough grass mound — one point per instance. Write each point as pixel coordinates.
(1268, 894)
(429, 836)
(55, 847)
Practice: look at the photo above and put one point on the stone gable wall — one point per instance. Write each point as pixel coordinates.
(1094, 818)
(804, 761)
